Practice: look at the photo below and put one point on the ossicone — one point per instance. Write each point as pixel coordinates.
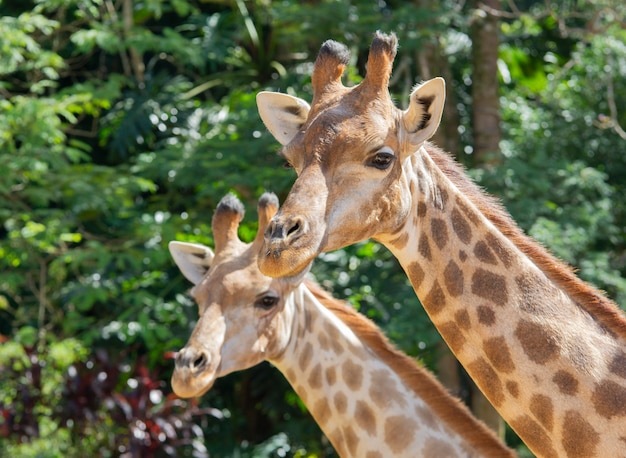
(332, 59)
(380, 61)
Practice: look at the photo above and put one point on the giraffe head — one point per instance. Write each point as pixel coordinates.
(350, 149)
(243, 319)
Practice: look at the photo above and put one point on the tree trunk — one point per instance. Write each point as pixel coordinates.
(432, 62)
(448, 370)
(485, 107)
(485, 34)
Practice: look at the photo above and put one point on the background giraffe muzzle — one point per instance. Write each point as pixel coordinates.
(194, 373)
(192, 359)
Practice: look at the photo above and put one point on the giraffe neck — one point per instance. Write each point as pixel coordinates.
(553, 366)
(360, 401)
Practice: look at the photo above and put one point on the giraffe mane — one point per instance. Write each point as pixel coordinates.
(418, 379)
(586, 296)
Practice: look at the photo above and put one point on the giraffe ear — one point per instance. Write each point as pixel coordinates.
(423, 116)
(192, 259)
(282, 114)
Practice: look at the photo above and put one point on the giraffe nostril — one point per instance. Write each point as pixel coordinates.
(279, 230)
(199, 362)
(192, 359)
(294, 228)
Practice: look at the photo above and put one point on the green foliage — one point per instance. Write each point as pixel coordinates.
(368, 276)
(563, 174)
(24, 55)
(60, 402)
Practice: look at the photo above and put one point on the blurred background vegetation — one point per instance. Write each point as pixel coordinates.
(122, 124)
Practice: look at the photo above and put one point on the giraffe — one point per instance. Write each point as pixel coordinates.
(370, 399)
(547, 349)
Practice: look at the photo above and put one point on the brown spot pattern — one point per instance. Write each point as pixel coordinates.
(452, 335)
(490, 286)
(497, 351)
(435, 300)
(543, 410)
(440, 232)
(462, 319)
(533, 289)
(302, 330)
(453, 278)
(336, 346)
(305, 357)
(580, 439)
(499, 249)
(437, 448)
(383, 389)
(513, 388)
(321, 411)
(538, 344)
(534, 436)
(336, 438)
(291, 375)
(427, 417)
(331, 375)
(315, 377)
(484, 254)
(416, 274)
(352, 375)
(301, 392)
(566, 382)
(487, 379)
(424, 247)
(350, 440)
(400, 241)
(309, 320)
(323, 341)
(618, 364)
(399, 431)
(462, 255)
(461, 226)
(341, 402)
(373, 454)
(335, 339)
(332, 332)
(530, 300)
(421, 209)
(609, 399)
(486, 315)
(365, 417)
(471, 214)
(525, 281)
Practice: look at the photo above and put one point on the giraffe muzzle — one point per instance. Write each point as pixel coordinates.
(289, 245)
(284, 231)
(193, 372)
(193, 360)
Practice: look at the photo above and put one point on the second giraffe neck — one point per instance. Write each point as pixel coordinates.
(541, 359)
(364, 407)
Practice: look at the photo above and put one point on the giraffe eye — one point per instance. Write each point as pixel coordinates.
(287, 165)
(266, 302)
(382, 159)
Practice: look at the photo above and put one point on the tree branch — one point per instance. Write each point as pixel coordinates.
(612, 121)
